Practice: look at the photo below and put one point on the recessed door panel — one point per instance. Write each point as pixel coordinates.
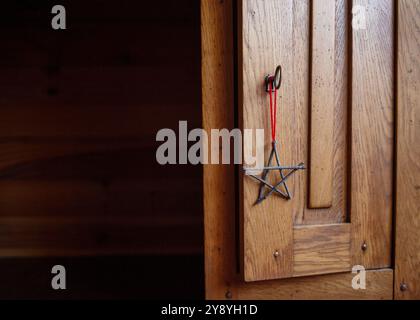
(335, 114)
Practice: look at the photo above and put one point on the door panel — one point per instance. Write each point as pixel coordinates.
(322, 105)
(321, 249)
(274, 32)
(335, 114)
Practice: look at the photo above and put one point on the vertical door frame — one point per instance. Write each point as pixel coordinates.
(407, 204)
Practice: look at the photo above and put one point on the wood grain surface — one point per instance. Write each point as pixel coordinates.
(222, 279)
(407, 246)
(339, 212)
(264, 44)
(321, 249)
(372, 135)
(218, 180)
(322, 104)
(327, 287)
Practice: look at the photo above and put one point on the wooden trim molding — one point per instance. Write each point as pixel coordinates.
(326, 287)
(372, 135)
(407, 244)
(218, 180)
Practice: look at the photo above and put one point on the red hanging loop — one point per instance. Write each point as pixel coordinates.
(273, 110)
(272, 85)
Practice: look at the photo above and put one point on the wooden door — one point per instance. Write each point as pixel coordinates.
(336, 114)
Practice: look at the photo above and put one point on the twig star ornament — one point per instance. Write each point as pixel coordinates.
(280, 188)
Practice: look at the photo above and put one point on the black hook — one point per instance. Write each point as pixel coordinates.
(275, 80)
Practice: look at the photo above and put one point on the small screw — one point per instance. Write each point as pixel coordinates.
(276, 254)
(403, 287)
(364, 246)
(228, 295)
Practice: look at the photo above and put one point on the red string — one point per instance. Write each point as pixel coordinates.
(273, 111)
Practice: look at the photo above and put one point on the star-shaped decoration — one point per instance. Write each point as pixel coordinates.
(280, 188)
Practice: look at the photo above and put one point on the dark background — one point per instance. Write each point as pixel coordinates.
(79, 183)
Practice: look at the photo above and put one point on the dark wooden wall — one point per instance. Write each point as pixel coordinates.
(79, 110)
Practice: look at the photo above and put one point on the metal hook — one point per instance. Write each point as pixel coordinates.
(275, 80)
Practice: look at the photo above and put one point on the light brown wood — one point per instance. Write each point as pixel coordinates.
(218, 180)
(339, 211)
(322, 104)
(321, 249)
(264, 44)
(222, 279)
(372, 135)
(407, 244)
(327, 287)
